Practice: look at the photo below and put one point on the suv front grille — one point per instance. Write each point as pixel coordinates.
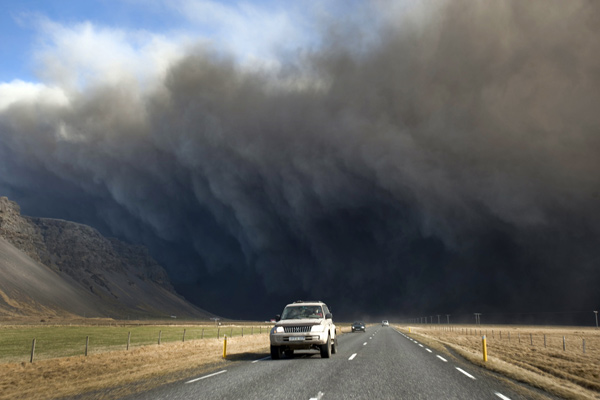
(296, 329)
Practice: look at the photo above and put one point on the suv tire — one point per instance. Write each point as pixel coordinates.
(275, 352)
(334, 347)
(326, 348)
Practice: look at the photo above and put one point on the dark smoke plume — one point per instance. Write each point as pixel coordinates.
(448, 159)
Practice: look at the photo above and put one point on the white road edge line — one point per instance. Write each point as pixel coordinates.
(365, 343)
(466, 373)
(206, 376)
(261, 359)
(442, 358)
(503, 397)
(352, 357)
(428, 350)
(421, 345)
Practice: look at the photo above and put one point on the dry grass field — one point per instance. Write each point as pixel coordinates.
(115, 374)
(519, 352)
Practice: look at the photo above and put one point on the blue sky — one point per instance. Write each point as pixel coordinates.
(37, 35)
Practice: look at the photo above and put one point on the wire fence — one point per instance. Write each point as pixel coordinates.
(573, 339)
(27, 344)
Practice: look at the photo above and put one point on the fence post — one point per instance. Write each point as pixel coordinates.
(183, 338)
(252, 331)
(583, 346)
(564, 344)
(519, 334)
(159, 334)
(202, 336)
(128, 339)
(87, 342)
(32, 350)
(509, 336)
(231, 332)
(544, 340)
(242, 331)
(531, 338)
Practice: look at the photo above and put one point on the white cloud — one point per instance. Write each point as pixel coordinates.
(84, 54)
(19, 91)
(254, 34)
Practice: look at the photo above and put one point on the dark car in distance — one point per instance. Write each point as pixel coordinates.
(358, 326)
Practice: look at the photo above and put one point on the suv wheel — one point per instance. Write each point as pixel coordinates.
(275, 352)
(334, 347)
(326, 348)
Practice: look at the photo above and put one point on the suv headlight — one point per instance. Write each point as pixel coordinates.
(277, 329)
(317, 328)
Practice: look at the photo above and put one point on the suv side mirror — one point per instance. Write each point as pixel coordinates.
(277, 318)
(328, 316)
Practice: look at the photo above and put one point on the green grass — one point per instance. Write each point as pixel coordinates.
(67, 341)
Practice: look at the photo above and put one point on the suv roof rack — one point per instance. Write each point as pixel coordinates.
(307, 301)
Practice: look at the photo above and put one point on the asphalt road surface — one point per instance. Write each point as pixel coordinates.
(379, 364)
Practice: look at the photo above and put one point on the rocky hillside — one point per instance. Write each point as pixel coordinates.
(102, 276)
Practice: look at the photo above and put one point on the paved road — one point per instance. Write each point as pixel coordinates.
(379, 364)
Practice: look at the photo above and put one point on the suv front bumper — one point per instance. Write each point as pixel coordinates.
(299, 340)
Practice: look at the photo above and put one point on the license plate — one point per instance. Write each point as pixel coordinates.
(296, 338)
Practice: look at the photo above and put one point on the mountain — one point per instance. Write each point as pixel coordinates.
(53, 267)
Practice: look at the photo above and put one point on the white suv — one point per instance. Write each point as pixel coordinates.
(304, 325)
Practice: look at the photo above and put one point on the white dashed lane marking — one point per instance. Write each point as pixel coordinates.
(206, 376)
(500, 395)
(465, 373)
(319, 396)
(352, 357)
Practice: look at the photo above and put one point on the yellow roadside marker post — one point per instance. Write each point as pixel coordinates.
(484, 348)
(224, 346)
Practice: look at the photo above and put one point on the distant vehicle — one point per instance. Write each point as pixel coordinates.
(358, 326)
(304, 325)
(385, 323)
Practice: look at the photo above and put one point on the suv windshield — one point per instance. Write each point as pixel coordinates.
(300, 312)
